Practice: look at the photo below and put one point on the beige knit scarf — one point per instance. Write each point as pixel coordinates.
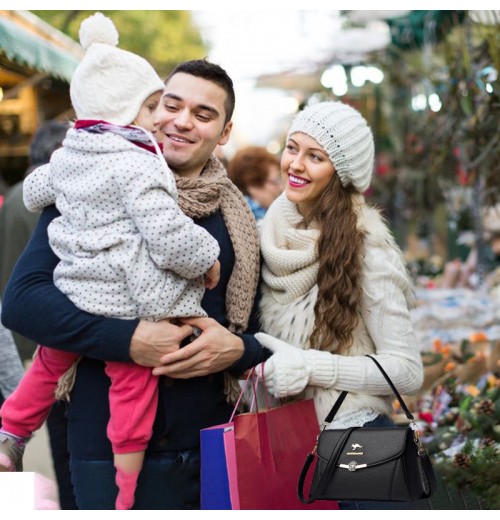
(290, 254)
(205, 195)
(201, 197)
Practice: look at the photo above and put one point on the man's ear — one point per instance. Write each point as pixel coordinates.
(226, 134)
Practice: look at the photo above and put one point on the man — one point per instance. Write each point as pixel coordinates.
(194, 117)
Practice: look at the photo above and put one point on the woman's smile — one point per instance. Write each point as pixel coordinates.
(297, 182)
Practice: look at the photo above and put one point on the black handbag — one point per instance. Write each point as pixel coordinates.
(383, 464)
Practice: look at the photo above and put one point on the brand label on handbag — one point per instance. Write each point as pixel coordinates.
(355, 447)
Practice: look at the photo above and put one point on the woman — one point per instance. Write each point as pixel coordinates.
(334, 285)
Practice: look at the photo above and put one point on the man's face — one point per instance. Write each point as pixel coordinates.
(190, 121)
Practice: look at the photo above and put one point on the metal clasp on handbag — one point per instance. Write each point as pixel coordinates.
(353, 466)
(416, 437)
(322, 428)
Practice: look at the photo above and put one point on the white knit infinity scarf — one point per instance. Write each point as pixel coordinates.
(290, 254)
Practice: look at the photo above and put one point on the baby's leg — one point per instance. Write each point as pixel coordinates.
(133, 398)
(128, 466)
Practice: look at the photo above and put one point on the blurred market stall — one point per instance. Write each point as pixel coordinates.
(36, 64)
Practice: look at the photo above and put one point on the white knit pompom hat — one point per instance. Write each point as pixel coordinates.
(344, 135)
(110, 84)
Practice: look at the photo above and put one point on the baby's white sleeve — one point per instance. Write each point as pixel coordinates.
(174, 241)
(38, 191)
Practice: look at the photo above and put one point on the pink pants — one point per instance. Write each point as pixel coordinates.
(133, 398)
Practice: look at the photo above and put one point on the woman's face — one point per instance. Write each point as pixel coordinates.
(306, 171)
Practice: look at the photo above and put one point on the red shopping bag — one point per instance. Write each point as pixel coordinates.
(262, 454)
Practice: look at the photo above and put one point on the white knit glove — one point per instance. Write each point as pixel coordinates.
(290, 369)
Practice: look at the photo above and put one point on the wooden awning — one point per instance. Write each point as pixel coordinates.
(27, 40)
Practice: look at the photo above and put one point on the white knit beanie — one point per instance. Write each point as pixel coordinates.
(344, 135)
(110, 84)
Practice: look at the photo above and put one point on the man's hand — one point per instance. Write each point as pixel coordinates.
(153, 339)
(213, 351)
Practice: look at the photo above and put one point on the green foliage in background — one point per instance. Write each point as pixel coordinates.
(164, 38)
(449, 157)
(461, 142)
(472, 425)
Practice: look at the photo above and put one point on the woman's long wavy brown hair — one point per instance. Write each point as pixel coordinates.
(339, 278)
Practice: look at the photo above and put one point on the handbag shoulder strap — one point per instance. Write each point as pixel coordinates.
(422, 452)
(342, 396)
(393, 388)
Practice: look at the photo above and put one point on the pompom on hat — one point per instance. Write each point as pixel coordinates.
(344, 135)
(110, 84)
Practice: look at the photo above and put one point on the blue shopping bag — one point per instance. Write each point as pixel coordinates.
(218, 465)
(219, 482)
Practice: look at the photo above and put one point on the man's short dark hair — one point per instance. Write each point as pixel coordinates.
(211, 72)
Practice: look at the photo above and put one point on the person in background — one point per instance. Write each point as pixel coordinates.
(16, 222)
(464, 274)
(11, 367)
(16, 227)
(256, 172)
(334, 284)
(3, 189)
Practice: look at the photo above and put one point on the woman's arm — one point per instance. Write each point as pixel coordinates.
(36, 309)
(387, 318)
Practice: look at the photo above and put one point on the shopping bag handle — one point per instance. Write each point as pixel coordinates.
(252, 376)
(266, 393)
